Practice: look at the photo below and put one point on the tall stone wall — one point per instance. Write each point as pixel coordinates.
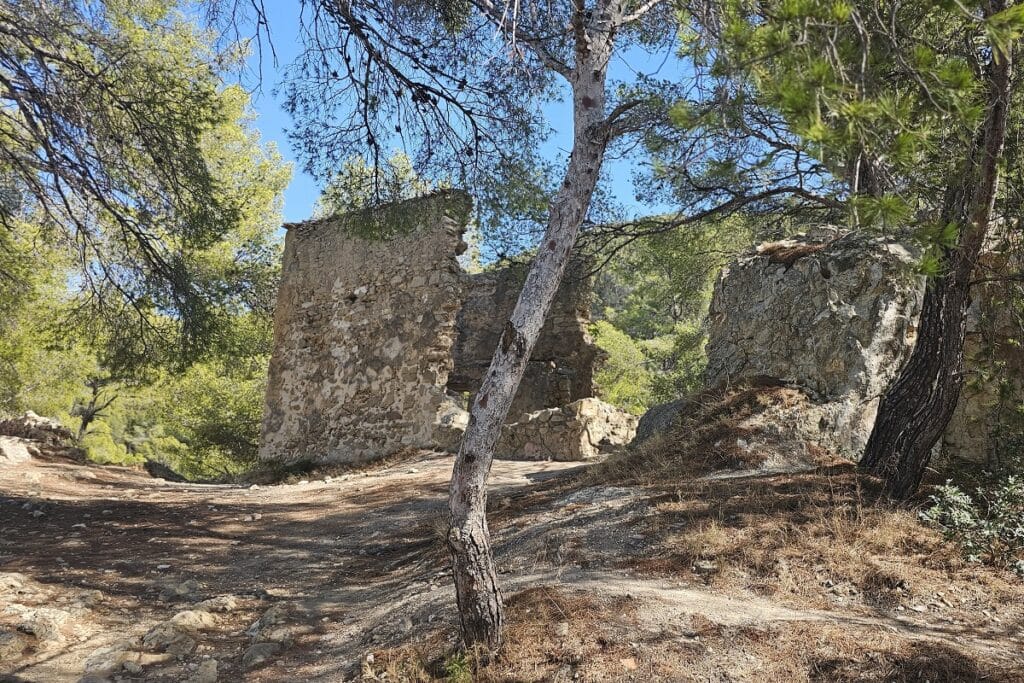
(376, 342)
(561, 368)
(363, 335)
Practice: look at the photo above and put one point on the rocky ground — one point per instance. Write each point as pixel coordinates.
(108, 574)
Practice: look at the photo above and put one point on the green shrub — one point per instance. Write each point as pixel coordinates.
(102, 447)
(457, 669)
(989, 527)
(679, 360)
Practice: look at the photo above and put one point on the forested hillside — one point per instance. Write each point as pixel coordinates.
(143, 325)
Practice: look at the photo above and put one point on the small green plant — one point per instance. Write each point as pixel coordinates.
(989, 527)
(457, 669)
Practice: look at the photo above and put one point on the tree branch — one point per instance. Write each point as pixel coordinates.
(640, 12)
(514, 35)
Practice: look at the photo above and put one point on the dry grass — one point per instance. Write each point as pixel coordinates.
(549, 632)
(840, 654)
(816, 539)
(562, 636)
(811, 541)
(899, 603)
(819, 540)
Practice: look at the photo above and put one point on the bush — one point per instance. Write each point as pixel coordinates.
(989, 527)
(679, 361)
(104, 448)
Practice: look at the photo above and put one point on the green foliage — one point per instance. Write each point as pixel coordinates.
(102, 447)
(679, 360)
(876, 108)
(204, 422)
(370, 197)
(624, 377)
(651, 303)
(40, 369)
(141, 164)
(195, 408)
(458, 668)
(359, 185)
(989, 527)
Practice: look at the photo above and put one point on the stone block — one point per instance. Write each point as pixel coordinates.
(581, 430)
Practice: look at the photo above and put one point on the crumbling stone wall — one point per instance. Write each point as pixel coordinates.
(561, 367)
(376, 342)
(363, 334)
(577, 431)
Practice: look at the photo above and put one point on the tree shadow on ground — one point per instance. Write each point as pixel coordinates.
(916, 663)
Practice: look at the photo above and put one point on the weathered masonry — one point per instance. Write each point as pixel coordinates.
(561, 368)
(378, 344)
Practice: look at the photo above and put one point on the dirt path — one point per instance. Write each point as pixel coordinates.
(113, 553)
(301, 581)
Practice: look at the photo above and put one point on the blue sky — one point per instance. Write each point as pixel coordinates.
(301, 194)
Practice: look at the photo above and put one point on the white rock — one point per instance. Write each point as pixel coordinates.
(171, 638)
(106, 660)
(45, 623)
(14, 450)
(194, 620)
(221, 603)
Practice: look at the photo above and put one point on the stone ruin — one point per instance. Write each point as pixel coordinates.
(836, 314)
(31, 436)
(379, 345)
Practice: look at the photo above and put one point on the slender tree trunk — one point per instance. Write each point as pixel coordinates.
(917, 407)
(92, 410)
(476, 585)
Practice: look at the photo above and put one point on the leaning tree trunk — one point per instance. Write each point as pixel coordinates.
(917, 407)
(476, 585)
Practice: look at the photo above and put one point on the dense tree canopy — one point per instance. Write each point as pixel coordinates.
(116, 140)
(139, 235)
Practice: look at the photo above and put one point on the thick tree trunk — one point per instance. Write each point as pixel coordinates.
(917, 407)
(476, 585)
